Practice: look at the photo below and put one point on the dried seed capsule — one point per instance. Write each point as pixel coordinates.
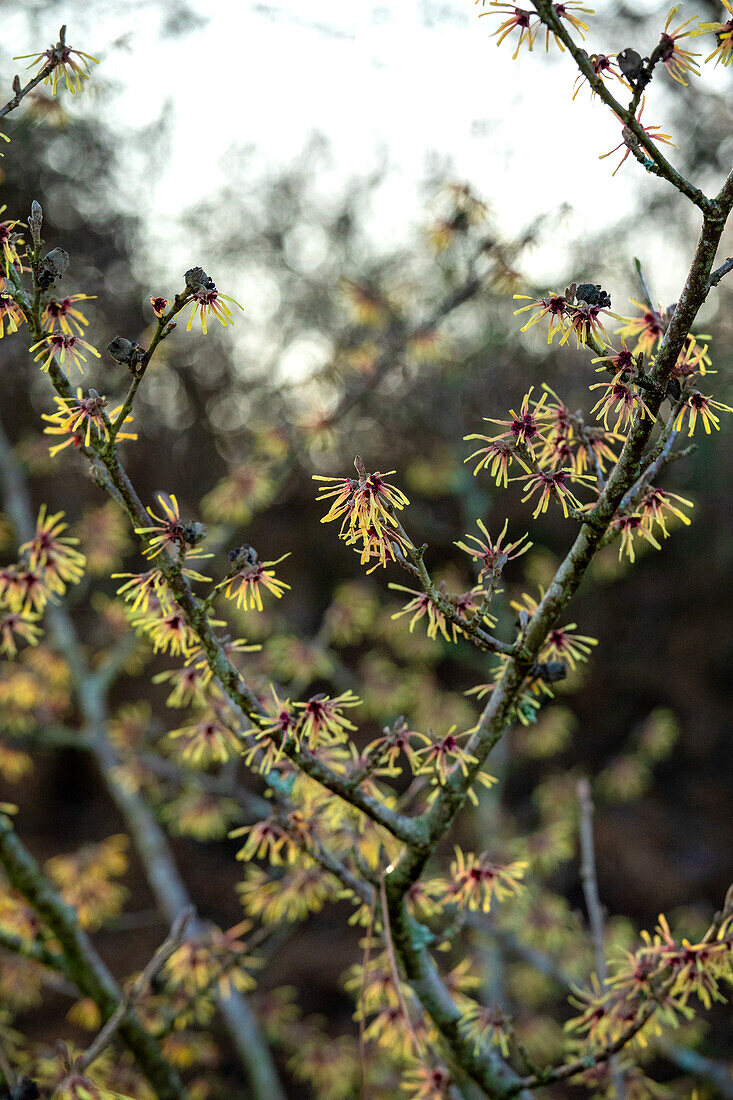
(53, 266)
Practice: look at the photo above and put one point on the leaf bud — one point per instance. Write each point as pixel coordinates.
(35, 221)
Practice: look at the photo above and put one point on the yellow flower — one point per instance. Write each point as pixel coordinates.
(518, 19)
(80, 419)
(476, 880)
(85, 880)
(170, 533)
(10, 312)
(10, 242)
(493, 555)
(251, 575)
(168, 631)
(321, 720)
(64, 314)
(698, 404)
(12, 625)
(53, 553)
(60, 60)
(208, 742)
(64, 346)
(207, 299)
(652, 131)
(676, 61)
(723, 33)
(366, 502)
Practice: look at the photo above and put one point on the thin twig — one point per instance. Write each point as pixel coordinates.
(589, 879)
(719, 272)
(85, 967)
(6, 1069)
(137, 991)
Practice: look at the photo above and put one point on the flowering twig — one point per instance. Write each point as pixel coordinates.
(659, 164)
(85, 968)
(136, 992)
(596, 920)
(582, 1065)
(151, 842)
(21, 93)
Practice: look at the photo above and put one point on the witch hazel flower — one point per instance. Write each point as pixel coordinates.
(594, 450)
(439, 754)
(168, 631)
(250, 576)
(54, 553)
(491, 553)
(628, 527)
(159, 304)
(585, 325)
(10, 242)
(27, 590)
(206, 300)
(207, 742)
(697, 404)
(63, 63)
(629, 139)
(496, 457)
(62, 313)
(603, 65)
(366, 503)
(656, 502)
(622, 399)
(524, 427)
(14, 625)
(693, 359)
(554, 306)
(380, 547)
(622, 363)
(569, 11)
(421, 606)
(320, 720)
(79, 420)
(64, 350)
(723, 32)
(648, 328)
(518, 19)
(170, 533)
(555, 483)
(563, 644)
(10, 314)
(475, 880)
(676, 61)
(141, 590)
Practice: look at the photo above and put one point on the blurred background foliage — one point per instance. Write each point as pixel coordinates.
(342, 349)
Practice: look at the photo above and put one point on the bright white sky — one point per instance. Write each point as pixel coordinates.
(417, 78)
